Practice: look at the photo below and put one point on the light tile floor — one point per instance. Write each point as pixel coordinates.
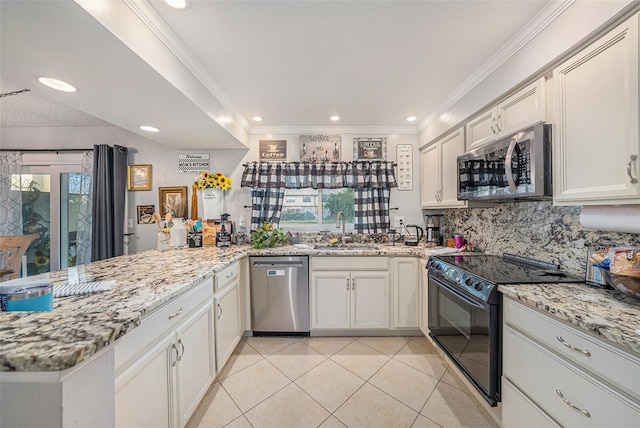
(338, 382)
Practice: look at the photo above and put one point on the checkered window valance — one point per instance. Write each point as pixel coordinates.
(330, 175)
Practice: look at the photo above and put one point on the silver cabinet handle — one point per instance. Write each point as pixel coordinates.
(347, 284)
(172, 316)
(573, 406)
(493, 126)
(220, 314)
(353, 284)
(181, 346)
(173, 346)
(498, 124)
(570, 346)
(633, 179)
(229, 276)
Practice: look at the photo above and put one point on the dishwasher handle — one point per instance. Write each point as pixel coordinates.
(278, 265)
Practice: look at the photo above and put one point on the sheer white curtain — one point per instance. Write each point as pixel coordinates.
(10, 200)
(83, 245)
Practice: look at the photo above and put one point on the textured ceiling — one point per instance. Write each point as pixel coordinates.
(29, 109)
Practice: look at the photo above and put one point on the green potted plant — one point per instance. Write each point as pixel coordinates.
(268, 236)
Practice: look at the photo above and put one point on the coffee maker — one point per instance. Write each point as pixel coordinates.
(432, 223)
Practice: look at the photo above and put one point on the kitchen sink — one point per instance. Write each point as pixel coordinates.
(345, 247)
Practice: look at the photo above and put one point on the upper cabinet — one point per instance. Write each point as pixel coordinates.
(439, 172)
(596, 144)
(522, 109)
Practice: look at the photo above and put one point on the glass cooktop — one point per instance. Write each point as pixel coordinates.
(499, 270)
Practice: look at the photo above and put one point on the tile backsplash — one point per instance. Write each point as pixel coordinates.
(532, 229)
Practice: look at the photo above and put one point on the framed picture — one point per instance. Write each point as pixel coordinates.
(320, 148)
(173, 199)
(145, 213)
(370, 148)
(139, 177)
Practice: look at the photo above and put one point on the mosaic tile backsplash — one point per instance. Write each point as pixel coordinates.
(532, 229)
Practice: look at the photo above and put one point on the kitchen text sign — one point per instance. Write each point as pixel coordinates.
(190, 163)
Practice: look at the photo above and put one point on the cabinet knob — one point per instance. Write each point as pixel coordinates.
(632, 159)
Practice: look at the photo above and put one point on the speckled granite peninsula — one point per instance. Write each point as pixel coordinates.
(80, 326)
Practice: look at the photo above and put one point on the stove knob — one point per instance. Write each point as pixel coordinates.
(438, 267)
(478, 286)
(468, 282)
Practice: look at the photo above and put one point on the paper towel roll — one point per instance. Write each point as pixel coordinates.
(624, 218)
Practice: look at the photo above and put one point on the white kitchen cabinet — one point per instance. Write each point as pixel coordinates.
(439, 171)
(520, 110)
(424, 299)
(596, 144)
(228, 325)
(350, 293)
(406, 288)
(555, 372)
(165, 366)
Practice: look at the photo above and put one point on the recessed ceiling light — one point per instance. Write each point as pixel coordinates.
(257, 118)
(56, 84)
(177, 4)
(411, 118)
(149, 128)
(334, 118)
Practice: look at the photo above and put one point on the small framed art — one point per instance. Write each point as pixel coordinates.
(139, 177)
(173, 199)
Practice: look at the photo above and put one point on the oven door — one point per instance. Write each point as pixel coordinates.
(468, 331)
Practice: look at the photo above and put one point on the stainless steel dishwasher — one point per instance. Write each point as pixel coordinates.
(279, 295)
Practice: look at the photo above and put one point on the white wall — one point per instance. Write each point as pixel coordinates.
(164, 163)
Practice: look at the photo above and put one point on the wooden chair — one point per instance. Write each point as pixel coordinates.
(12, 248)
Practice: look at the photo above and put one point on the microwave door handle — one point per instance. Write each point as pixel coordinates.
(507, 165)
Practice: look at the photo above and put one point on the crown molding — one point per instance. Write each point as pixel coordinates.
(150, 18)
(333, 130)
(537, 24)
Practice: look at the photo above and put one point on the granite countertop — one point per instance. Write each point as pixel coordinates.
(607, 314)
(80, 326)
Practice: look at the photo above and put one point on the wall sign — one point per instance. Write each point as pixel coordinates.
(190, 163)
(370, 148)
(273, 150)
(404, 159)
(320, 148)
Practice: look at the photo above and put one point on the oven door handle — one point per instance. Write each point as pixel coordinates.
(461, 296)
(507, 165)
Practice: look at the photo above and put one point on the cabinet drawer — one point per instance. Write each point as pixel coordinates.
(518, 411)
(544, 377)
(619, 368)
(225, 276)
(155, 325)
(349, 263)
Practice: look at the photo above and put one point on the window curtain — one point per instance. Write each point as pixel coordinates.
(330, 175)
(109, 189)
(266, 205)
(10, 193)
(83, 226)
(371, 210)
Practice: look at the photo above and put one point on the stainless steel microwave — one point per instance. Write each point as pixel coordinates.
(515, 167)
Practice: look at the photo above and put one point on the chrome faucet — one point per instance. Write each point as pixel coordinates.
(344, 220)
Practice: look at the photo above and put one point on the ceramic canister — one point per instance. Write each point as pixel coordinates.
(37, 298)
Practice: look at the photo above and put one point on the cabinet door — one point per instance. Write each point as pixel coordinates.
(370, 299)
(452, 146)
(196, 365)
(144, 394)
(430, 174)
(227, 322)
(330, 297)
(518, 411)
(406, 287)
(525, 108)
(480, 131)
(596, 129)
(424, 299)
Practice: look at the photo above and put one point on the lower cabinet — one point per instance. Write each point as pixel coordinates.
(555, 374)
(228, 324)
(424, 299)
(164, 385)
(406, 287)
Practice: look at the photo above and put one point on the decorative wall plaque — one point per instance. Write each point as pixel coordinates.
(193, 163)
(320, 148)
(404, 172)
(370, 148)
(273, 150)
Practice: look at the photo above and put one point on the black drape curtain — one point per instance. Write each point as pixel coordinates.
(109, 191)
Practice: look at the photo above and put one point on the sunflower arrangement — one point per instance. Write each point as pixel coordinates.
(217, 180)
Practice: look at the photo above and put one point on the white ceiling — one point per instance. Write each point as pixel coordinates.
(295, 63)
